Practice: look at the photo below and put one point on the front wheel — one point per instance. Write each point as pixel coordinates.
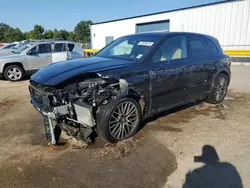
(118, 120)
(13, 73)
(219, 89)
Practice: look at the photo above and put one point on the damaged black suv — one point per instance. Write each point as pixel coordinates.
(134, 77)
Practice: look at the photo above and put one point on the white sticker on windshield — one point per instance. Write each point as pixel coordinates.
(144, 43)
(139, 56)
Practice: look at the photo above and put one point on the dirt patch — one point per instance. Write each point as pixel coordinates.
(148, 165)
(171, 120)
(6, 103)
(121, 149)
(142, 161)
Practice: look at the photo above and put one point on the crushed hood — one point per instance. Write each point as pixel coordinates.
(56, 73)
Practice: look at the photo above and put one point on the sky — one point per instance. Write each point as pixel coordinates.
(65, 14)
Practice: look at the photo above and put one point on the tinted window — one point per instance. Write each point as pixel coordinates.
(171, 49)
(44, 48)
(71, 47)
(211, 46)
(201, 46)
(41, 49)
(59, 47)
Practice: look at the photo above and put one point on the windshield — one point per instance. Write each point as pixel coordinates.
(130, 47)
(16, 46)
(21, 49)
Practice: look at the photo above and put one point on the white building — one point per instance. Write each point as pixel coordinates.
(228, 21)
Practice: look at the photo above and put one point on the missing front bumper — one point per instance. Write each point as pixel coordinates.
(84, 114)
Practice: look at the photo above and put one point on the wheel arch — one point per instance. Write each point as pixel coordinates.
(14, 63)
(224, 72)
(139, 98)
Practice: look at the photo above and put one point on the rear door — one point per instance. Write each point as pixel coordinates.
(59, 52)
(201, 66)
(39, 56)
(168, 80)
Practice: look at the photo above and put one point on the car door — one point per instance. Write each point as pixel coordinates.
(39, 56)
(60, 52)
(201, 66)
(168, 79)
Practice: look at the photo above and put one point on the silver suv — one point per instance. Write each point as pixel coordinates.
(33, 56)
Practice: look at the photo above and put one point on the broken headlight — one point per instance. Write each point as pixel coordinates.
(90, 83)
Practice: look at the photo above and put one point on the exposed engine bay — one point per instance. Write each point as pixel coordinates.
(73, 106)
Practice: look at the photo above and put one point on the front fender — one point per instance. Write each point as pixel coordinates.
(1, 67)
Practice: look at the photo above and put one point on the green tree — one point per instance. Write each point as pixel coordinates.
(49, 34)
(61, 34)
(12, 35)
(72, 36)
(3, 28)
(56, 33)
(82, 31)
(27, 35)
(37, 32)
(64, 34)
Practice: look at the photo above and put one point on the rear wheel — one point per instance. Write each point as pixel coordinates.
(118, 120)
(219, 89)
(13, 73)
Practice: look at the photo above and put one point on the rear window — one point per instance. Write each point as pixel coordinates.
(71, 47)
(201, 46)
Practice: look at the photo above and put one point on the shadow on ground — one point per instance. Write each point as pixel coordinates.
(214, 173)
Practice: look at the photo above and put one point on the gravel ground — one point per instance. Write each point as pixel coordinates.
(161, 155)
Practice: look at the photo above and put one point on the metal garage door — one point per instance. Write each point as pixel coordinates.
(152, 26)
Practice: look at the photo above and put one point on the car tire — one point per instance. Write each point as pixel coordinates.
(13, 73)
(119, 119)
(219, 89)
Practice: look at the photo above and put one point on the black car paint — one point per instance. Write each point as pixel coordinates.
(162, 86)
(56, 73)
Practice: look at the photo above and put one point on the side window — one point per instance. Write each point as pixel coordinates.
(44, 48)
(198, 46)
(71, 47)
(211, 46)
(33, 50)
(41, 49)
(171, 49)
(59, 47)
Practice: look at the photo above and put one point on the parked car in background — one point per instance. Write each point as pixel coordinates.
(8, 46)
(34, 55)
(133, 78)
(20, 44)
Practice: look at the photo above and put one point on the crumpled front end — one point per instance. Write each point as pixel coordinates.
(74, 105)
